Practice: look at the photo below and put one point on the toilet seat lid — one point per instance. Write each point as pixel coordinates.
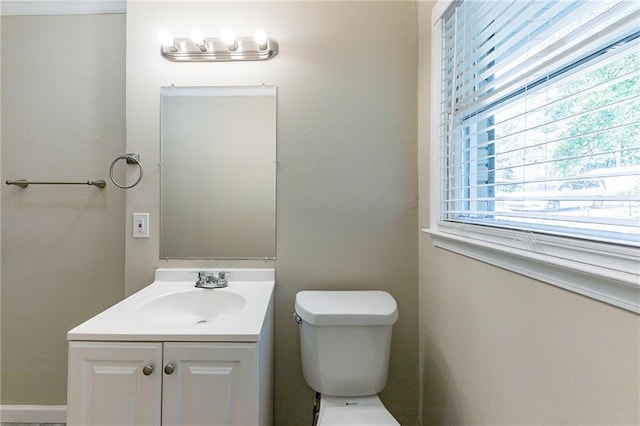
(346, 308)
(357, 416)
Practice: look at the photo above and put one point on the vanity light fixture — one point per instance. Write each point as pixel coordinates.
(227, 47)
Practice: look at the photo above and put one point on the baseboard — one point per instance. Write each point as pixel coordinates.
(33, 413)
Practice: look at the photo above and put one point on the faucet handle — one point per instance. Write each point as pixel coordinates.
(221, 275)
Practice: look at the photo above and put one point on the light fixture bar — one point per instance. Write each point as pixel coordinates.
(215, 49)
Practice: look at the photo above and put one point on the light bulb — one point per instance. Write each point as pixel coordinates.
(229, 38)
(198, 39)
(260, 37)
(166, 39)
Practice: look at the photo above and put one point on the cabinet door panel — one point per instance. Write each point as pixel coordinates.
(107, 385)
(212, 383)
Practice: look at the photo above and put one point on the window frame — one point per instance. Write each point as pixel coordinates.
(606, 272)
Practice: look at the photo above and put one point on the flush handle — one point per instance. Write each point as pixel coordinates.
(169, 369)
(147, 369)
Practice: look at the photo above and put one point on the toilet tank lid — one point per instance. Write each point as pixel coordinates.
(346, 308)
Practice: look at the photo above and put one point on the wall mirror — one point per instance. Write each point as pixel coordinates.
(218, 173)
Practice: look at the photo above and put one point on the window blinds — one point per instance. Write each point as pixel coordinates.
(540, 117)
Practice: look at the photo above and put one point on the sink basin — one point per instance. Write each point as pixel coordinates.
(197, 306)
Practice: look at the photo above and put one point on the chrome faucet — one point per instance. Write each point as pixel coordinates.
(210, 280)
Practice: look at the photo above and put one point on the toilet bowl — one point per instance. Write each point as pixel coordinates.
(345, 342)
(356, 411)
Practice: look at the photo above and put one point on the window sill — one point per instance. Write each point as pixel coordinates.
(550, 260)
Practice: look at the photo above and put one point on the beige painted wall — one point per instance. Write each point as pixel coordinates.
(0, 213)
(499, 348)
(347, 176)
(62, 246)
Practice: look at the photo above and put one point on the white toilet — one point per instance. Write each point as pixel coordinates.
(345, 338)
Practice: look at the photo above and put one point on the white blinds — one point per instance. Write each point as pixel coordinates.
(540, 117)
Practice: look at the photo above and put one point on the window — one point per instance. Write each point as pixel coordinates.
(536, 140)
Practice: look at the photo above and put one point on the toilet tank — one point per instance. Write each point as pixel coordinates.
(345, 339)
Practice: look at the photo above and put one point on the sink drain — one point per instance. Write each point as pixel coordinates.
(202, 321)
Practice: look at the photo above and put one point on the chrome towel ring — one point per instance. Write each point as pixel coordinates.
(131, 158)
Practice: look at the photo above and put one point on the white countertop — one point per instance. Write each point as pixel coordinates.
(127, 321)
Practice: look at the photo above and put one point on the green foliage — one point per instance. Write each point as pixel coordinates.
(598, 126)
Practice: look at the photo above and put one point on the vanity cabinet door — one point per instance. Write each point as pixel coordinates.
(210, 383)
(114, 383)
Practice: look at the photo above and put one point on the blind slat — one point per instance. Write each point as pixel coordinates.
(494, 83)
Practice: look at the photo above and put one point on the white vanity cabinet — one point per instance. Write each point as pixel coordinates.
(170, 383)
(176, 354)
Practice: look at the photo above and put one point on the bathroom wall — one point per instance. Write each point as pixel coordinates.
(0, 214)
(499, 348)
(63, 99)
(347, 174)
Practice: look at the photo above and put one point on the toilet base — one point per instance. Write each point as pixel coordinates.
(353, 411)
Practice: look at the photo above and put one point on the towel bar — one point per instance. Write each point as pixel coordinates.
(23, 183)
